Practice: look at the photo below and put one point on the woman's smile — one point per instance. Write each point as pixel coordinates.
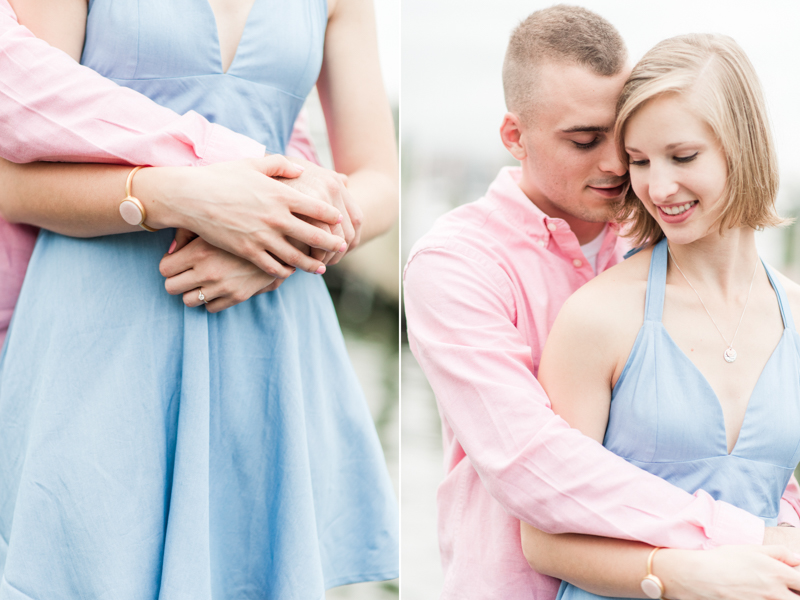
(677, 213)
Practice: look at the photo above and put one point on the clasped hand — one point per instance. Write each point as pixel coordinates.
(313, 236)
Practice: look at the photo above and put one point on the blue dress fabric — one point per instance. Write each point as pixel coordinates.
(149, 450)
(666, 419)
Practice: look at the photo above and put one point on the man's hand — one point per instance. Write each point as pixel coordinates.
(240, 207)
(783, 536)
(331, 187)
(225, 279)
(729, 573)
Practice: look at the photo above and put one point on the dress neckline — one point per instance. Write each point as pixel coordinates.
(216, 36)
(654, 303)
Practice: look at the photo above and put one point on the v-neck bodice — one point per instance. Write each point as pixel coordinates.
(666, 418)
(170, 52)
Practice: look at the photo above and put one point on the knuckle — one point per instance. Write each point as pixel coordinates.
(212, 274)
(315, 239)
(162, 268)
(280, 222)
(294, 257)
(272, 270)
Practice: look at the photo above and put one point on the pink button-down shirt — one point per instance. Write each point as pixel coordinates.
(52, 108)
(482, 290)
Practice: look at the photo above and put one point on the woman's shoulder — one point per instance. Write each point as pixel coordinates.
(614, 300)
(792, 294)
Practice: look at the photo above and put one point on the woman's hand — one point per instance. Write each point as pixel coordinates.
(729, 573)
(330, 186)
(225, 279)
(240, 208)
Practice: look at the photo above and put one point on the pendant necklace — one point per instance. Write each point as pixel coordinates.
(730, 354)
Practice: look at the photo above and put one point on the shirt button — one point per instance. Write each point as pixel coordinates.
(552, 226)
(577, 262)
(541, 243)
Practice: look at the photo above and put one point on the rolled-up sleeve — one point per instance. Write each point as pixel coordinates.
(52, 108)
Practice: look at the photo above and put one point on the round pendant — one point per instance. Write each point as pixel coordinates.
(730, 355)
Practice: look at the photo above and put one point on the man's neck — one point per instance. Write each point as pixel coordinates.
(585, 231)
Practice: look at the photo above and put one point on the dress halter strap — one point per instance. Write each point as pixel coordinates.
(657, 287)
(783, 302)
(656, 283)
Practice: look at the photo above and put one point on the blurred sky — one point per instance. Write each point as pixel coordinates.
(452, 54)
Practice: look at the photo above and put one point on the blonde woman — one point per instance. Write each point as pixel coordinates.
(685, 359)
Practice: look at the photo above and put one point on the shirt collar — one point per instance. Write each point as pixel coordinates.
(509, 198)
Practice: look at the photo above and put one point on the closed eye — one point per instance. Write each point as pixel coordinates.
(638, 163)
(587, 145)
(685, 159)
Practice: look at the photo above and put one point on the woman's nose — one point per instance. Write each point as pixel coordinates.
(662, 186)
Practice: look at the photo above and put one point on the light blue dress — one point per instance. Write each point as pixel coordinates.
(666, 419)
(149, 450)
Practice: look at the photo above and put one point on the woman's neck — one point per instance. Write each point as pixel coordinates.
(721, 262)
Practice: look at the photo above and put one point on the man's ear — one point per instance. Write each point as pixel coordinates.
(511, 134)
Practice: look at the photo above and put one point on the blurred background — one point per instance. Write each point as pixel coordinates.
(365, 290)
(452, 107)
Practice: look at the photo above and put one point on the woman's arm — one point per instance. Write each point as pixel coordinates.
(235, 206)
(358, 117)
(584, 355)
(609, 567)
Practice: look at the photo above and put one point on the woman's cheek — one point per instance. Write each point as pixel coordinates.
(639, 185)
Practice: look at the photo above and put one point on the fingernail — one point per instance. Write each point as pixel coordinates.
(172, 247)
(340, 219)
(299, 167)
(343, 247)
(321, 270)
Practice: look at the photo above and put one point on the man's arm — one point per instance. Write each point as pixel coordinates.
(461, 317)
(52, 108)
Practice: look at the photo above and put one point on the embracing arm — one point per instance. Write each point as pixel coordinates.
(461, 315)
(577, 377)
(80, 115)
(358, 116)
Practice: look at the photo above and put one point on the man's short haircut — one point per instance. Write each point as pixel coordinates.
(714, 75)
(560, 34)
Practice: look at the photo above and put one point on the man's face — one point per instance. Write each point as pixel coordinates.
(571, 169)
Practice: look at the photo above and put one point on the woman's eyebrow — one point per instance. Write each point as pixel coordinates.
(687, 143)
(586, 129)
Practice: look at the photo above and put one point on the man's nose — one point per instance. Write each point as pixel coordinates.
(611, 162)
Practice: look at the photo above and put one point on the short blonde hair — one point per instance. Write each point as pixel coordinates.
(560, 34)
(717, 75)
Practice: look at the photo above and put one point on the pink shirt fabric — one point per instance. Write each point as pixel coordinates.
(52, 108)
(482, 290)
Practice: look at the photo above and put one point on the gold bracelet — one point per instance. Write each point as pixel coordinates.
(131, 209)
(651, 584)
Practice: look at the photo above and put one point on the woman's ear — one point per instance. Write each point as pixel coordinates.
(511, 134)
